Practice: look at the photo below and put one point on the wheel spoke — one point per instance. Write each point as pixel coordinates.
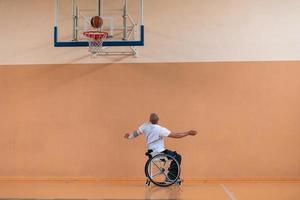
(166, 175)
(155, 165)
(158, 173)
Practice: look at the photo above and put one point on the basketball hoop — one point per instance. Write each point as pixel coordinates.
(95, 39)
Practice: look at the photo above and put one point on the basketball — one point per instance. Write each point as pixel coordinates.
(96, 22)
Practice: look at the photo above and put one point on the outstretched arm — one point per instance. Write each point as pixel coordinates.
(134, 134)
(182, 134)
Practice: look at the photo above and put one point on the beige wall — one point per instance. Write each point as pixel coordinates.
(68, 120)
(176, 30)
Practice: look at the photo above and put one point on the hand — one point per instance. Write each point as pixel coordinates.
(193, 132)
(126, 136)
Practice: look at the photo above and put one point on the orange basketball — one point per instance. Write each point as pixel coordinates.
(96, 22)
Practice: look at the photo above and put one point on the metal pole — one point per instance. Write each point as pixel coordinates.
(75, 20)
(142, 12)
(125, 16)
(56, 13)
(99, 7)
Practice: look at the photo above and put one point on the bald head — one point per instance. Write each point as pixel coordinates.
(154, 118)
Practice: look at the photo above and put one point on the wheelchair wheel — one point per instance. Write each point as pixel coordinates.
(162, 170)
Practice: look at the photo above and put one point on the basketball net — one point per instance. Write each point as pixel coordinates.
(95, 40)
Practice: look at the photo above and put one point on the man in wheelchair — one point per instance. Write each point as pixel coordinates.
(155, 135)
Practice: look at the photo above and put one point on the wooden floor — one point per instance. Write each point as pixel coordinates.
(136, 190)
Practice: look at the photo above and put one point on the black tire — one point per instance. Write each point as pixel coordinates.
(146, 166)
(163, 183)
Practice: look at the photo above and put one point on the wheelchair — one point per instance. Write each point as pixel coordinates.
(157, 170)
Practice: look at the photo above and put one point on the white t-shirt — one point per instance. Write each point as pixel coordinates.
(154, 134)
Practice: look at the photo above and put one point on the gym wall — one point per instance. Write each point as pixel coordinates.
(69, 120)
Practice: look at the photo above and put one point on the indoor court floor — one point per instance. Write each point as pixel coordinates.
(136, 190)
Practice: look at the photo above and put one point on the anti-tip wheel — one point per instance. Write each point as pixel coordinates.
(179, 181)
(147, 183)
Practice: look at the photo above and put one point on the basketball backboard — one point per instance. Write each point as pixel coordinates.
(123, 20)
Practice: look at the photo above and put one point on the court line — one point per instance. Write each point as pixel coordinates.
(229, 194)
